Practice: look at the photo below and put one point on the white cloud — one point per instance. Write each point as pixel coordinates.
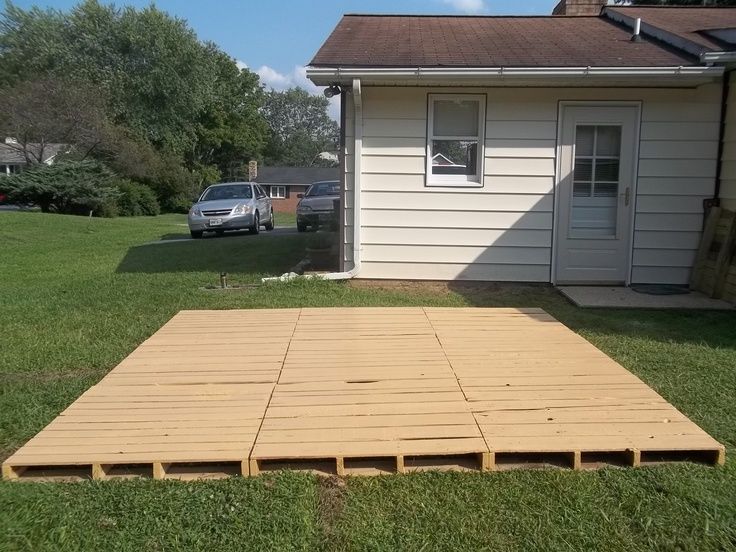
(241, 64)
(272, 78)
(467, 6)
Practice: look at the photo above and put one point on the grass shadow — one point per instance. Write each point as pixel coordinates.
(240, 254)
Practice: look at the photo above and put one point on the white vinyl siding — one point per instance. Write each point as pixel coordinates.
(728, 167)
(503, 230)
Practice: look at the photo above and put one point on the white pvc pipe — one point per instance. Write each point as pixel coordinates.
(357, 172)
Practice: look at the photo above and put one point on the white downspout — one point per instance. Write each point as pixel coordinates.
(357, 171)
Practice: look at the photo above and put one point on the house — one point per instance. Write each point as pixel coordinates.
(284, 184)
(14, 156)
(590, 144)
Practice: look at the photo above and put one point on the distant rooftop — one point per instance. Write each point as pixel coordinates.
(296, 175)
(11, 153)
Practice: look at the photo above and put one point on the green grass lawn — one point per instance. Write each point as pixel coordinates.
(77, 295)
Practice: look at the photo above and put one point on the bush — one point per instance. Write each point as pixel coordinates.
(69, 187)
(136, 200)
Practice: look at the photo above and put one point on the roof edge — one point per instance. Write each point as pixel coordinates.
(325, 76)
(668, 37)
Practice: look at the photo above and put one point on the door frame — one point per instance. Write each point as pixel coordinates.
(562, 104)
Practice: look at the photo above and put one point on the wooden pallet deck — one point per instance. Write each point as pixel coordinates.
(360, 391)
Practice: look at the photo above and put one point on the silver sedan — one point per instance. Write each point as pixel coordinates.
(231, 206)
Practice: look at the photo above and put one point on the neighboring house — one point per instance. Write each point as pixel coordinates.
(13, 158)
(589, 154)
(283, 184)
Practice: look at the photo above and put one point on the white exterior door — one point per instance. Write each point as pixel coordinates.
(598, 152)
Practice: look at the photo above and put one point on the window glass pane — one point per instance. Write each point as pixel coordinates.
(606, 170)
(606, 189)
(583, 171)
(609, 141)
(455, 118)
(584, 140)
(581, 189)
(455, 157)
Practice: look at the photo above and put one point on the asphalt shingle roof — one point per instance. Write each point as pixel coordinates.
(687, 22)
(459, 41)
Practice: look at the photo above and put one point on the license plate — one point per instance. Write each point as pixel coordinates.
(215, 222)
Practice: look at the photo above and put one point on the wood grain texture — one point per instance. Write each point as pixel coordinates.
(358, 391)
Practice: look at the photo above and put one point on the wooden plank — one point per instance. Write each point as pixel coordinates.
(360, 389)
(725, 256)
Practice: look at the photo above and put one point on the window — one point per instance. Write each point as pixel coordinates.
(9, 169)
(595, 180)
(278, 192)
(327, 188)
(233, 191)
(455, 136)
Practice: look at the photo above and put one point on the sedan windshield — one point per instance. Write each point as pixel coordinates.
(235, 191)
(324, 189)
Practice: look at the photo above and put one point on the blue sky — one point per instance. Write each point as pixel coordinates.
(277, 39)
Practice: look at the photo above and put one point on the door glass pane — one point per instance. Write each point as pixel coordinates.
(594, 210)
(583, 171)
(606, 170)
(608, 141)
(455, 157)
(581, 189)
(455, 118)
(584, 140)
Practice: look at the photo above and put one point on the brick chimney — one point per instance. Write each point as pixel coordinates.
(579, 7)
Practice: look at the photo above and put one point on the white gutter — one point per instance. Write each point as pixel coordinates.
(357, 171)
(718, 57)
(339, 74)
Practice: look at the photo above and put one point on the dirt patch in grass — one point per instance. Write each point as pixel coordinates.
(331, 498)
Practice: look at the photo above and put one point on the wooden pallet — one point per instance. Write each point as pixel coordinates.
(360, 391)
(714, 271)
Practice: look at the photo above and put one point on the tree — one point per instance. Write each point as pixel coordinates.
(43, 113)
(175, 97)
(300, 128)
(69, 187)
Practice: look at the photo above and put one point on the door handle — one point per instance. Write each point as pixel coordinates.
(627, 196)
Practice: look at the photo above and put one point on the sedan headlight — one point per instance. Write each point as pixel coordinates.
(242, 209)
(195, 211)
(303, 208)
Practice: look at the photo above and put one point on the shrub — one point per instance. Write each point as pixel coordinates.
(70, 187)
(136, 200)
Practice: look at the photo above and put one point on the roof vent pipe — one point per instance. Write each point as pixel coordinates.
(636, 37)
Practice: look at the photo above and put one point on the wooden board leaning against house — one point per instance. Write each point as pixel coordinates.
(714, 272)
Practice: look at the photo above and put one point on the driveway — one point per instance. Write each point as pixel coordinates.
(278, 231)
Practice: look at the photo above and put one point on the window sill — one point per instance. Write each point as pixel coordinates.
(453, 184)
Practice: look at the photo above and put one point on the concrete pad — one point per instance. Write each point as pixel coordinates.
(627, 298)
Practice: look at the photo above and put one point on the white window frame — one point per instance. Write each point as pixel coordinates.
(271, 192)
(456, 180)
